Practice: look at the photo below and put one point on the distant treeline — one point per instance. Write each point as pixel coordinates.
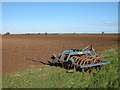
(8, 33)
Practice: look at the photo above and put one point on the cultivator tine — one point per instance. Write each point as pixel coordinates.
(86, 70)
(70, 71)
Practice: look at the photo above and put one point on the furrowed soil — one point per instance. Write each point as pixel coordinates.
(17, 49)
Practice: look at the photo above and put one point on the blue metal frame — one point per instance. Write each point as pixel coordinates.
(75, 53)
(79, 52)
(63, 54)
(94, 65)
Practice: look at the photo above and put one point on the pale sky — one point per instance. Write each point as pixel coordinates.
(59, 17)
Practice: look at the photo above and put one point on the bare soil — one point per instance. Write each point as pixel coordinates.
(16, 49)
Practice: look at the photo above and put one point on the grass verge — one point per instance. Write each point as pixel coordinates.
(56, 77)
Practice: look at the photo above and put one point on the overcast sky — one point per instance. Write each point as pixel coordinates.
(59, 17)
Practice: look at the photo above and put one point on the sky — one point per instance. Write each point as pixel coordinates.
(59, 17)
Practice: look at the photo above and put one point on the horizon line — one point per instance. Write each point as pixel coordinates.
(62, 33)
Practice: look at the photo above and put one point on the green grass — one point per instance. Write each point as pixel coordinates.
(56, 77)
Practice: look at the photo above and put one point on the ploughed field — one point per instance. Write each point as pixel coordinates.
(17, 49)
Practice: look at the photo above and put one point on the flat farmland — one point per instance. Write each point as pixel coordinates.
(17, 49)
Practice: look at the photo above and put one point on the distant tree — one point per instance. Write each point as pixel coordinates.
(74, 33)
(7, 33)
(46, 33)
(28, 33)
(102, 32)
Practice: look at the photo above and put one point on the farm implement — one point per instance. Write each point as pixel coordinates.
(85, 60)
